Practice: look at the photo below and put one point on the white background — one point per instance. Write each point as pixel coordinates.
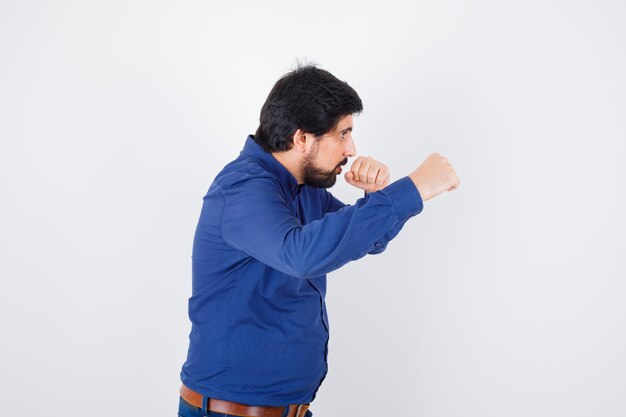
(503, 298)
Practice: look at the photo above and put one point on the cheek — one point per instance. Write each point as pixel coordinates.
(331, 156)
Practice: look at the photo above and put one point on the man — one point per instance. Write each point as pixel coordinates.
(268, 234)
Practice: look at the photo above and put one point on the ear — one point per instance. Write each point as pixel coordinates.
(301, 141)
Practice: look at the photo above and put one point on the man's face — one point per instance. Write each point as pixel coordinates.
(328, 153)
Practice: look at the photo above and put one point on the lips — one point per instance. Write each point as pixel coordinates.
(338, 169)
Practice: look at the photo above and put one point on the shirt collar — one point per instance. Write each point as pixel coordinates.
(285, 177)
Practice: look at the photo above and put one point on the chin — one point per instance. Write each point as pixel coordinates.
(325, 182)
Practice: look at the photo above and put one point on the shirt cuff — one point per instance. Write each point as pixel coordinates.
(405, 197)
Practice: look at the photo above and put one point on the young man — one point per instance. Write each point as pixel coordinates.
(268, 234)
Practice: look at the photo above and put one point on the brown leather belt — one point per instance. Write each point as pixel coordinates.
(237, 409)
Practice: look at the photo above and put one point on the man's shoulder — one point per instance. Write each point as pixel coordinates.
(243, 171)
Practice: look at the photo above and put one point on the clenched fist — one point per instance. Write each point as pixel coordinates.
(434, 176)
(368, 174)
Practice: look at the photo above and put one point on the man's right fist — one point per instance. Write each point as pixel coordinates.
(434, 176)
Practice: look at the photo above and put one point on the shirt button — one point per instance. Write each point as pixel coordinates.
(378, 244)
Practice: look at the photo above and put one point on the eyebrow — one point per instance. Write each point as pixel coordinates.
(349, 129)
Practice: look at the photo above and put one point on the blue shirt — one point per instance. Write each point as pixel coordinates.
(261, 252)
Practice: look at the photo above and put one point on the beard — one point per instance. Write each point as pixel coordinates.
(318, 177)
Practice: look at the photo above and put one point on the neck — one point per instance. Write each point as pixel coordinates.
(289, 161)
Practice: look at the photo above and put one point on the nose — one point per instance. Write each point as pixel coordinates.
(350, 150)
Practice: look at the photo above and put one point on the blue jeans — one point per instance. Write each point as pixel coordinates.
(188, 410)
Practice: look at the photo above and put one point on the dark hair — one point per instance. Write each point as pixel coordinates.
(307, 98)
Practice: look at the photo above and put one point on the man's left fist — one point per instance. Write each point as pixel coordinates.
(368, 174)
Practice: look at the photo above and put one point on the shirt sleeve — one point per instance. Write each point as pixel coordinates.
(333, 204)
(257, 220)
